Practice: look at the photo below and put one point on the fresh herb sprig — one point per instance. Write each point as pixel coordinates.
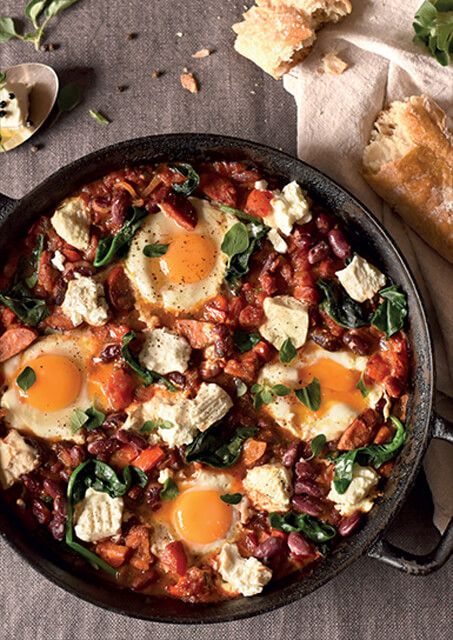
(433, 26)
(40, 13)
(26, 379)
(310, 395)
(90, 419)
(264, 394)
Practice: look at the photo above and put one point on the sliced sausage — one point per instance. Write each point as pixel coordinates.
(181, 210)
(15, 340)
(218, 188)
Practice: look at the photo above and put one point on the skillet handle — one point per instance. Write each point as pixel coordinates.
(6, 204)
(409, 562)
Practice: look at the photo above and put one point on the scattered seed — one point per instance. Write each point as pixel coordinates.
(99, 117)
(155, 73)
(202, 53)
(179, 34)
(189, 82)
(36, 147)
(122, 87)
(51, 46)
(132, 35)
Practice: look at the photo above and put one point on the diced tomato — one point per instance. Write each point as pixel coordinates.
(114, 554)
(174, 558)
(149, 458)
(120, 389)
(124, 456)
(194, 586)
(259, 203)
(138, 539)
(253, 451)
(47, 275)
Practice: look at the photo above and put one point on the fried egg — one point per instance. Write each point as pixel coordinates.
(197, 515)
(193, 267)
(341, 401)
(64, 382)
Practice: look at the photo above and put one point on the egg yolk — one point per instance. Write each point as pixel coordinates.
(201, 516)
(338, 384)
(58, 383)
(189, 258)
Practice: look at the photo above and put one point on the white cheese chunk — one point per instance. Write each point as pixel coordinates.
(286, 317)
(72, 223)
(269, 487)
(210, 404)
(16, 107)
(247, 576)
(357, 495)
(16, 457)
(360, 279)
(164, 475)
(98, 516)
(85, 301)
(165, 352)
(288, 206)
(277, 241)
(260, 185)
(58, 260)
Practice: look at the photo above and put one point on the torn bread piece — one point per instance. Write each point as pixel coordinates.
(320, 11)
(409, 163)
(333, 65)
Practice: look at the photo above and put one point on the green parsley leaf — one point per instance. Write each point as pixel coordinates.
(287, 351)
(155, 250)
(90, 419)
(152, 425)
(245, 340)
(169, 490)
(26, 379)
(317, 445)
(310, 395)
(231, 498)
(263, 394)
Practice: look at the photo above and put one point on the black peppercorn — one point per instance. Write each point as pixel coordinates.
(2, 114)
(3, 104)
(12, 96)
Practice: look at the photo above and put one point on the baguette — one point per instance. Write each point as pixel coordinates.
(409, 163)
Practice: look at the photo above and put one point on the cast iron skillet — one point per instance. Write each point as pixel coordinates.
(51, 559)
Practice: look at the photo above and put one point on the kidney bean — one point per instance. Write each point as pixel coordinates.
(299, 546)
(143, 580)
(290, 456)
(110, 352)
(178, 379)
(357, 343)
(210, 369)
(319, 252)
(394, 386)
(323, 222)
(40, 511)
(120, 204)
(340, 246)
(82, 267)
(60, 506)
(305, 504)
(103, 448)
(57, 526)
(326, 340)
(270, 549)
(308, 487)
(303, 238)
(32, 484)
(131, 437)
(53, 488)
(152, 495)
(135, 492)
(305, 470)
(115, 420)
(349, 524)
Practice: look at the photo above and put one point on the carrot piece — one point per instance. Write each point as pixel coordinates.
(253, 450)
(114, 554)
(123, 456)
(149, 458)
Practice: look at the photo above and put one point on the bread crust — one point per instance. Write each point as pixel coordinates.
(419, 184)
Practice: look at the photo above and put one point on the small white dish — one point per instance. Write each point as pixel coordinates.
(43, 83)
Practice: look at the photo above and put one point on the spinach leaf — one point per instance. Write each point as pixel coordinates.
(375, 455)
(216, 450)
(317, 445)
(310, 395)
(236, 240)
(238, 264)
(433, 26)
(169, 490)
(390, 315)
(313, 528)
(155, 250)
(69, 97)
(192, 179)
(147, 376)
(287, 351)
(263, 394)
(244, 340)
(241, 215)
(232, 498)
(30, 310)
(114, 246)
(343, 310)
(32, 279)
(90, 419)
(26, 379)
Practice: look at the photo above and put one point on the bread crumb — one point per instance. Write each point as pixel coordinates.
(333, 64)
(179, 34)
(202, 53)
(156, 73)
(189, 82)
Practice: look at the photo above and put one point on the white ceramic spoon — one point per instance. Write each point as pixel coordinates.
(43, 83)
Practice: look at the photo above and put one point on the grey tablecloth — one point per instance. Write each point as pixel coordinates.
(368, 600)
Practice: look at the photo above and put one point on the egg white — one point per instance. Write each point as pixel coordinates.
(147, 274)
(53, 425)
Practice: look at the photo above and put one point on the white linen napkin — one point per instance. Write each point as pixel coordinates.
(335, 117)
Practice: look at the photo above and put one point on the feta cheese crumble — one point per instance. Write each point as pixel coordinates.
(58, 260)
(165, 352)
(357, 495)
(247, 576)
(72, 223)
(98, 516)
(16, 107)
(360, 279)
(286, 317)
(277, 241)
(269, 487)
(16, 457)
(85, 301)
(288, 206)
